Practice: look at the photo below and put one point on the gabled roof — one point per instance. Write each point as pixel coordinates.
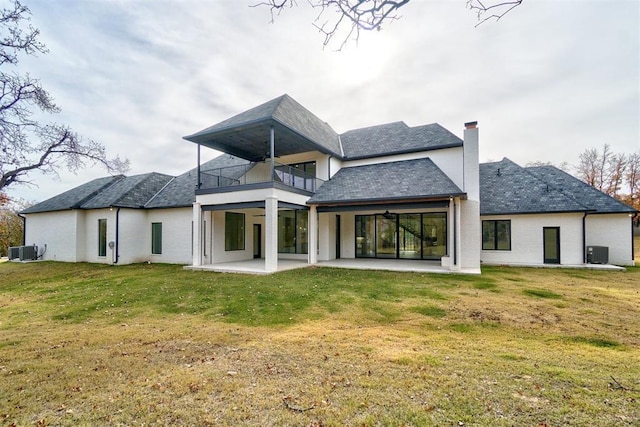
(507, 188)
(587, 195)
(247, 134)
(74, 198)
(180, 192)
(396, 138)
(418, 179)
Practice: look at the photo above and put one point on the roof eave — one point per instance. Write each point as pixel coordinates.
(407, 151)
(382, 201)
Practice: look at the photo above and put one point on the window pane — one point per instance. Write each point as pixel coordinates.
(503, 230)
(302, 219)
(386, 236)
(234, 231)
(102, 237)
(365, 236)
(287, 232)
(156, 238)
(410, 234)
(434, 232)
(488, 235)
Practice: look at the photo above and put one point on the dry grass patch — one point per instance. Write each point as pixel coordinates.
(89, 345)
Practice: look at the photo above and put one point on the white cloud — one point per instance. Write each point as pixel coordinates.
(546, 82)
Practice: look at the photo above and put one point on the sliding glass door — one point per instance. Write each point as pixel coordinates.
(385, 237)
(405, 236)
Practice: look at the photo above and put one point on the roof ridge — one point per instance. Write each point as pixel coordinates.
(159, 191)
(145, 177)
(80, 203)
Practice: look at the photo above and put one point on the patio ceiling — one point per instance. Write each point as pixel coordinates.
(247, 135)
(251, 141)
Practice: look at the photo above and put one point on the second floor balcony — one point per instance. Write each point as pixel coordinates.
(257, 173)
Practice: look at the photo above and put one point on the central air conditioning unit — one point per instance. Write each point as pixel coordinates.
(597, 254)
(14, 252)
(28, 253)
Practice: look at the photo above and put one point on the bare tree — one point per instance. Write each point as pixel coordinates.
(27, 145)
(632, 178)
(346, 18)
(492, 10)
(608, 171)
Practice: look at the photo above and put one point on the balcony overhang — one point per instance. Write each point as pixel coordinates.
(251, 140)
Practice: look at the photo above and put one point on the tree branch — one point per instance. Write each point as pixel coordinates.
(493, 11)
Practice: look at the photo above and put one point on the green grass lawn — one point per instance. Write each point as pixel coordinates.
(86, 344)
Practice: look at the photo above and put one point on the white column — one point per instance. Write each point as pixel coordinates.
(313, 235)
(271, 234)
(197, 234)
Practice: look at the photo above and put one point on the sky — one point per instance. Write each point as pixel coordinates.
(548, 81)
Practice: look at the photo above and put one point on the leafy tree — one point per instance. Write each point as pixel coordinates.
(11, 225)
(27, 145)
(346, 18)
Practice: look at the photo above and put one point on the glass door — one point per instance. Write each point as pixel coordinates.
(410, 236)
(551, 237)
(434, 235)
(386, 236)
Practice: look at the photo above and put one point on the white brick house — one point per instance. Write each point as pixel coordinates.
(290, 189)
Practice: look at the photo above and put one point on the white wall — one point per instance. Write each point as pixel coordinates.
(449, 160)
(614, 231)
(176, 235)
(58, 231)
(527, 239)
(134, 236)
(91, 235)
(218, 250)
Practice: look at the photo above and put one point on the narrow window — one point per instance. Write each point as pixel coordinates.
(156, 238)
(496, 235)
(233, 231)
(102, 237)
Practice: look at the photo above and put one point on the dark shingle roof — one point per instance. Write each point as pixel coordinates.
(403, 180)
(180, 191)
(75, 197)
(129, 192)
(394, 138)
(507, 188)
(587, 195)
(245, 134)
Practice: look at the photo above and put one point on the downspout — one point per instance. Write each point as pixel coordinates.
(455, 234)
(633, 247)
(117, 235)
(584, 238)
(24, 229)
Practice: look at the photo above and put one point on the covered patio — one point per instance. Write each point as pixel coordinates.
(256, 266)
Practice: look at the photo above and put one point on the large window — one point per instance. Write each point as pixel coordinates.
(496, 235)
(233, 231)
(292, 232)
(409, 236)
(156, 238)
(102, 237)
